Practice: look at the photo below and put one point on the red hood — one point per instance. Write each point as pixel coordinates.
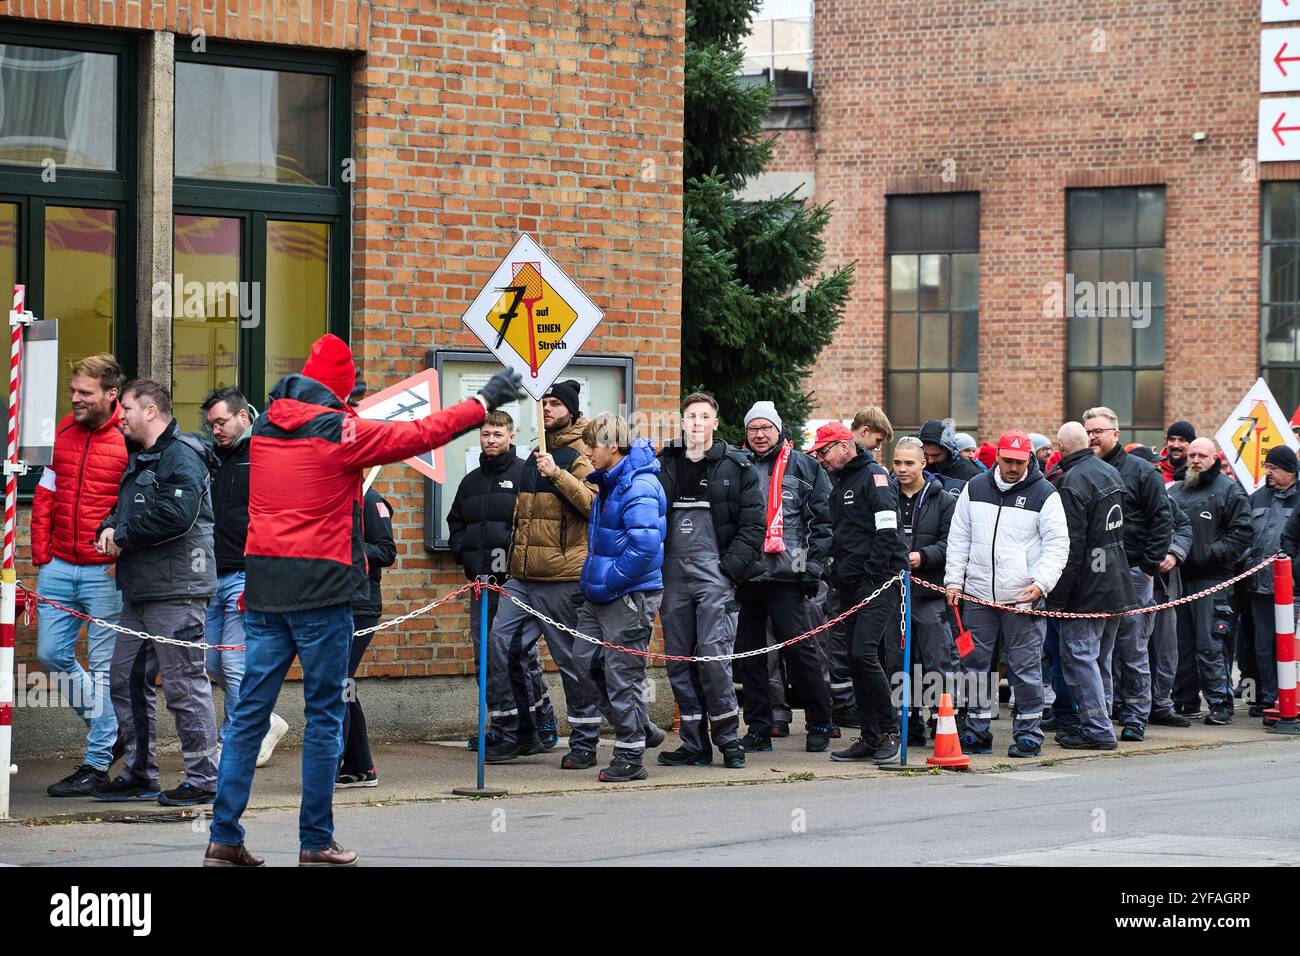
(297, 399)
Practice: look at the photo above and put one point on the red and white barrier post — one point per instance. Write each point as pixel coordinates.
(1284, 628)
(18, 318)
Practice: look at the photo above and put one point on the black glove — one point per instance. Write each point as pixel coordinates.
(502, 388)
(808, 585)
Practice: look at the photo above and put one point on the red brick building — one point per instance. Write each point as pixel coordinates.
(980, 153)
(362, 166)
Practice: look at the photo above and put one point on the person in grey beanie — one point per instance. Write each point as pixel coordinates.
(1042, 446)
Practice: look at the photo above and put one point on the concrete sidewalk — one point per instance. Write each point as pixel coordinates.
(422, 771)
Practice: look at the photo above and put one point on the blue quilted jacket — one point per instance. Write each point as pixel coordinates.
(625, 536)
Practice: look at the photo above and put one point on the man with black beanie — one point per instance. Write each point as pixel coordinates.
(1177, 437)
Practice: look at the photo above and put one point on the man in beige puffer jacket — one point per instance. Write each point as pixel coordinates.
(547, 550)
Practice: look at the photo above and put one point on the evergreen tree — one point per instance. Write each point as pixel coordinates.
(755, 312)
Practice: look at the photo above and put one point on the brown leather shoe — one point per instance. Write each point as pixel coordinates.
(223, 854)
(334, 855)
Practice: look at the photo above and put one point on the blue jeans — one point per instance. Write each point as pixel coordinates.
(225, 625)
(320, 638)
(1063, 709)
(89, 589)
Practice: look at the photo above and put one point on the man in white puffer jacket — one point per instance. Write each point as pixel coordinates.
(1008, 543)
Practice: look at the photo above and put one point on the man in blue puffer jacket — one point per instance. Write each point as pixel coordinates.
(622, 581)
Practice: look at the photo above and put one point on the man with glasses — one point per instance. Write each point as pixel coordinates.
(228, 418)
(1148, 529)
(785, 574)
(867, 550)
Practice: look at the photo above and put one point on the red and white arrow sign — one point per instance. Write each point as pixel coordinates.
(1279, 130)
(1279, 60)
(1278, 11)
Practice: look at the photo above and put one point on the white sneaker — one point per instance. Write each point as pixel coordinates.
(279, 727)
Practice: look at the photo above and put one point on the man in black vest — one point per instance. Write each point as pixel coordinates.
(478, 531)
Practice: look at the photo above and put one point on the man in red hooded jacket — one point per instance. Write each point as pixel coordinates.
(77, 490)
(305, 561)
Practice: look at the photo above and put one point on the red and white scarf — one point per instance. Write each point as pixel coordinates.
(774, 540)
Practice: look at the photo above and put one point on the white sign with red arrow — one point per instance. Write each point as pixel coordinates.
(1279, 11)
(1279, 129)
(1279, 60)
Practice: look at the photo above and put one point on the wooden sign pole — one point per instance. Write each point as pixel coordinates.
(541, 430)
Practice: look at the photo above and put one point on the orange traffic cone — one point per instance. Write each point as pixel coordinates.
(947, 745)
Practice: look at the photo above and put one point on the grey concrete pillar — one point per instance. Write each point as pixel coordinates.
(154, 189)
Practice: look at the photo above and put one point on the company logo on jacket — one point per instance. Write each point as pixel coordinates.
(1114, 518)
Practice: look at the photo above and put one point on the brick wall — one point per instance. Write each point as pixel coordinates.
(1027, 98)
(474, 122)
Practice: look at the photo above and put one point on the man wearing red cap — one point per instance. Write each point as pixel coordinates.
(866, 551)
(1007, 544)
(305, 559)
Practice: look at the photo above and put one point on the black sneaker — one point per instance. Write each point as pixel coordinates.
(733, 755)
(654, 736)
(887, 749)
(1025, 746)
(819, 738)
(549, 735)
(186, 796)
(578, 760)
(780, 728)
(490, 738)
(621, 771)
(504, 751)
(1219, 716)
(1073, 740)
(1190, 711)
(858, 750)
(122, 789)
(681, 757)
(754, 742)
(119, 748)
(845, 718)
(1169, 720)
(970, 744)
(80, 783)
(1132, 734)
(1257, 710)
(348, 781)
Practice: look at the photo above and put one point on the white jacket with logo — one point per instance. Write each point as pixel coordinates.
(1001, 542)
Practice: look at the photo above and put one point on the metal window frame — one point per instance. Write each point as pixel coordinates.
(1132, 367)
(255, 203)
(435, 538)
(954, 250)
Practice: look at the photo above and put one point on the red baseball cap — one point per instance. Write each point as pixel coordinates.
(830, 433)
(1015, 444)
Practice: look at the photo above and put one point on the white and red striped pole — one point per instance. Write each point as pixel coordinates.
(1284, 628)
(18, 317)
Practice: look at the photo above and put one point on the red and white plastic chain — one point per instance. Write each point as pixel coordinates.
(896, 579)
(143, 635)
(1095, 615)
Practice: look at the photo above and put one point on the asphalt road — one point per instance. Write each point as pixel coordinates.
(1222, 807)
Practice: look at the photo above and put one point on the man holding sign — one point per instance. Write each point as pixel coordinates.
(305, 564)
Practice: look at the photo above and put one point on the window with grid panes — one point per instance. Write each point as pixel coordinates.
(932, 247)
(1114, 298)
(1279, 292)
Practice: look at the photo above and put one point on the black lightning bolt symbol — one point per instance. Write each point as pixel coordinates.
(510, 313)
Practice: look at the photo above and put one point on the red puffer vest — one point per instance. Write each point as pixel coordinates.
(78, 491)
